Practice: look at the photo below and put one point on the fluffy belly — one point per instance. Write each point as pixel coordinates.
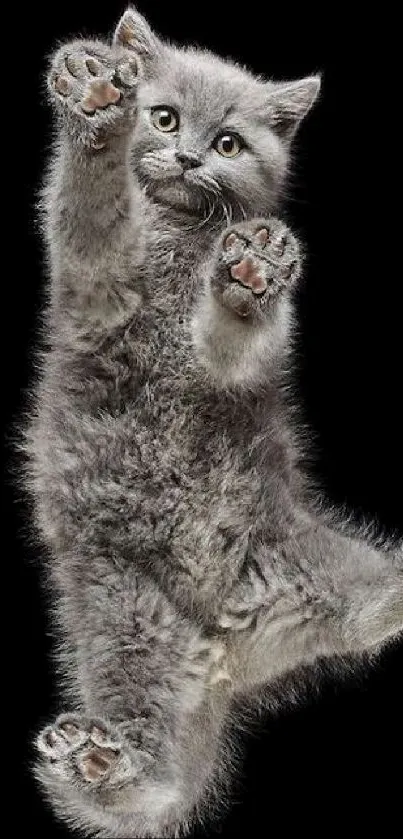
(154, 494)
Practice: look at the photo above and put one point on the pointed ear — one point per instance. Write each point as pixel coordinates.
(134, 33)
(289, 102)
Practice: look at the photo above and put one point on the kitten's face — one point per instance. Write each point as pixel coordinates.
(209, 135)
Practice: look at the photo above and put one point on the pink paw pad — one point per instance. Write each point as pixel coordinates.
(247, 273)
(262, 237)
(101, 94)
(62, 85)
(96, 762)
(230, 241)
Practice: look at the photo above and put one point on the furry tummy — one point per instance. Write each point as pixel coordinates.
(187, 564)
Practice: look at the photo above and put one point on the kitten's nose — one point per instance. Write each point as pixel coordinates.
(188, 159)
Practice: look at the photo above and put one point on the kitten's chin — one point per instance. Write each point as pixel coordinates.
(176, 195)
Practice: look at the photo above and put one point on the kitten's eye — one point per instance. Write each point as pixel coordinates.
(228, 145)
(165, 119)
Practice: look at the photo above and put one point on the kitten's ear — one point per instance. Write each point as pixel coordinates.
(289, 102)
(133, 32)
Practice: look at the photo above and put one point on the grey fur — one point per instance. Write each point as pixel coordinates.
(188, 562)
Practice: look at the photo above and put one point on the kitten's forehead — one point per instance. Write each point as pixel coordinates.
(204, 84)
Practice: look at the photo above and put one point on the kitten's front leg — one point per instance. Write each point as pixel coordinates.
(92, 201)
(241, 323)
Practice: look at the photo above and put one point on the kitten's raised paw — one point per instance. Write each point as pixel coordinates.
(84, 749)
(259, 259)
(94, 87)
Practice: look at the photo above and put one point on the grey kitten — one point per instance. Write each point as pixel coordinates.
(188, 563)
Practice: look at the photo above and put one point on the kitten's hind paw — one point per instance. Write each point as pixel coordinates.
(94, 88)
(83, 749)
(257, 261)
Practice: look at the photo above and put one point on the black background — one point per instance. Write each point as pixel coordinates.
(336, 757)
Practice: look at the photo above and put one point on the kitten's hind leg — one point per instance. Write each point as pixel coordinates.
(138, 756)
(318, 594)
